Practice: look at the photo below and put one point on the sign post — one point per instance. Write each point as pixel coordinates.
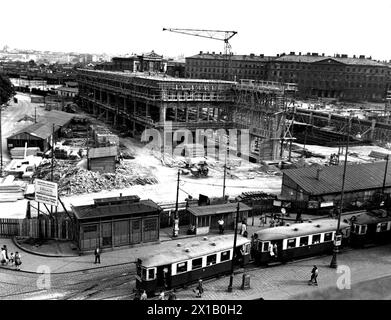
(46, 192)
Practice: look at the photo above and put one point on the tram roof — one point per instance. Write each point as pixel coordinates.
(299, 229)
(172, 253)
(372, 217)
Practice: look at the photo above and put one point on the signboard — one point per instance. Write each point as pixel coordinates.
(46, 192)
(277, 203)
(338, 240)
(326, 204)
(246, 282)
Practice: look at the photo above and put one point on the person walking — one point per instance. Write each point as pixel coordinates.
(243, 230)
(314, 276)
(97, 255)
(221, 225)
(272, 222)
(12, 258)
(18, 260)
(3, 258)
(144, 296)
(161, 295)
(200, 289)
(275, 250)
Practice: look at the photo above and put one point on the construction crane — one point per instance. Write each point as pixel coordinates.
(221, 35)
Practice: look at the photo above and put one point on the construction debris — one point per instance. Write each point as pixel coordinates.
(75, 180)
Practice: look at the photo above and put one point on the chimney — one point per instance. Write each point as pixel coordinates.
(278, 55)
(200, 52)
(318, 171)
(308, 53)
(292, 53)
(299, 53)
(120, 195)
(261, 55)
(251, 55)
(322, 54)
(213, 52)
(354, 56)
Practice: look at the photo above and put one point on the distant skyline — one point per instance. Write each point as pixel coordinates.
(119, 27)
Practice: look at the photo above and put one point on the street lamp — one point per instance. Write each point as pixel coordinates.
(333, 263)
(231, 277)
(175, 230)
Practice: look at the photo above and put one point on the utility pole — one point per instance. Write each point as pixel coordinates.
(52, 167)
(385, 175)
(333, 263)
(1, 147)
(225, 173)
(175, 230)
(231, 277)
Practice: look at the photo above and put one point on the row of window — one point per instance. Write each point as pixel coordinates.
(380, 227)
(300, 241)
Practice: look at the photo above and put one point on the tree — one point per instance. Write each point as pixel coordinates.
(6, 89)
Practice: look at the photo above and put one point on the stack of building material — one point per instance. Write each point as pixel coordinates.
(378, 155)
(19, 152)
(104, 137)
(11, 190)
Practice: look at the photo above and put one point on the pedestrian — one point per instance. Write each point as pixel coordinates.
(18, 260)
(200, 289)
(12, 258)
(261, 221)
(272, 222)
(171, 296)
(3, 257)
(270, 249)
(275, 250)
(243, 230)
(144, 296)
(221, 225)
(314, 276)
(6, 252)
(97, 255)
(161, 295)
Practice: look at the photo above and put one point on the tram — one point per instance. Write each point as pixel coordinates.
(190, 261)
(371, 227)
(285, 243)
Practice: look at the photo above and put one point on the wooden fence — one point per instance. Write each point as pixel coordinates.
(61, 228)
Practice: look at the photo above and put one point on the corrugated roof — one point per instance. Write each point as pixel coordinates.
(313, 59)
(171, 253)
(102, 152)
(235, 57)
(358, 177)
(124, 209)
(217, 209)
(39, 129)
(299, 229)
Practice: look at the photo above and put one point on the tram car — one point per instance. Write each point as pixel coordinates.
(371, 227)
(186, 261)
(285, 243)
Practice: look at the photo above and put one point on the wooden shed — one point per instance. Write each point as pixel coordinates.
(102, 159)
(116, 221)
(205, 218)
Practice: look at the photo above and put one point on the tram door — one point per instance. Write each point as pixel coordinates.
(164, 276)
(277, 254)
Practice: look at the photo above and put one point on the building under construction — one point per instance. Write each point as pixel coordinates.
(139, 101)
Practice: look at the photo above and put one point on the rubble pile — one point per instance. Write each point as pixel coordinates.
(72, 179)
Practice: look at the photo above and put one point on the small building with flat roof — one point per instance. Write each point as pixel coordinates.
(102, 159)
(115, 222)
(205, 218)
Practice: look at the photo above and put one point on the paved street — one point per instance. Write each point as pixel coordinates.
(287, 281)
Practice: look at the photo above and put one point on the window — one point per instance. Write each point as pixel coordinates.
(328, 236)
(316, 239)
(246, 248)
(356, 228)
(181, 267)
(144, 273)
(225, 256)
(151, 274)
(383, 226)
(265, 246)
(291, 243)
(203, 221)
(304, 241)
(211, 259)
(196, 263)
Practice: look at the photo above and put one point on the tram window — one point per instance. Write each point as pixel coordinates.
(151, 274)
(356, 229)
(211, 259)
(181, 267)
(196, 263)
(225, 256)
(265, 246)
(247, 248)
(363, 229)
(328, 236)
(291, 243)
(304, 241)
(316, 239)
(383, 226)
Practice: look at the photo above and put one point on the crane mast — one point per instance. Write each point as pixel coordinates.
(221, 35)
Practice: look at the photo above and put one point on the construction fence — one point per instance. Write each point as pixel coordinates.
(59, 228)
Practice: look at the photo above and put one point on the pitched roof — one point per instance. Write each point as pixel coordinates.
(358, 177)
(234, 57)
(123, 209)
(102, 152)
(39, 129)
(314, 59)
(218, 209)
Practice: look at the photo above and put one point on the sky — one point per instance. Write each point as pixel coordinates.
(352, 27)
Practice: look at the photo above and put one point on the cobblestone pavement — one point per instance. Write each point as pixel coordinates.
(289, 280)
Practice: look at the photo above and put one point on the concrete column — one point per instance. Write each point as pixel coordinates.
(176, 113)
(147, 109)
(373, 129)
(208, 113)
(187, 113)
(198, 113)
(329, 119)
(124, 105)
(162, 117)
